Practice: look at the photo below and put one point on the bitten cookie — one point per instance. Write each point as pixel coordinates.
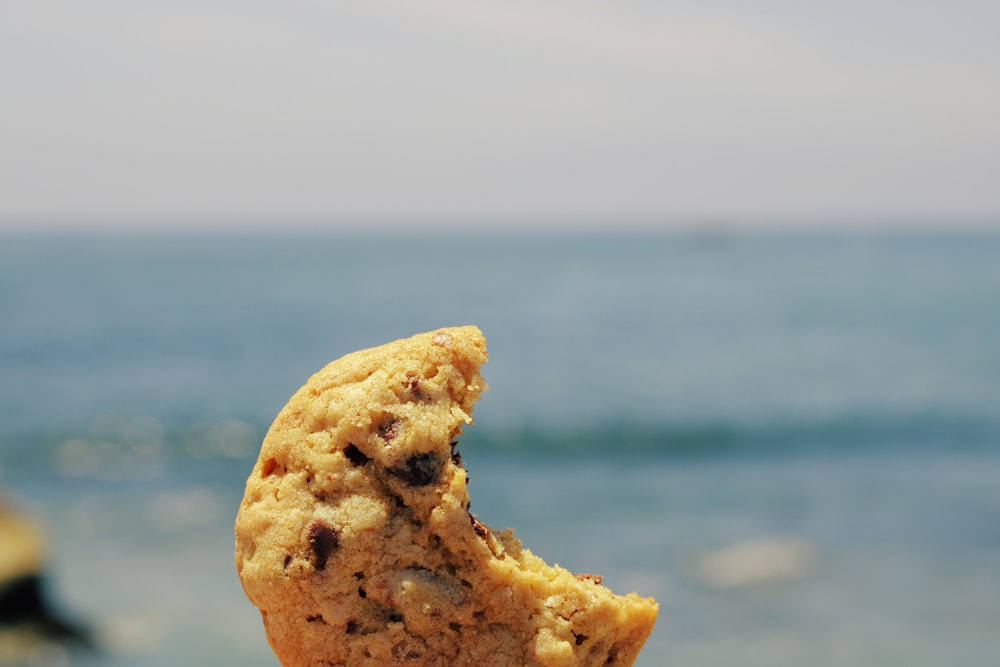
(355, 540)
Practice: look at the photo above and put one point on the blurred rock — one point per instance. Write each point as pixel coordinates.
(28, 621)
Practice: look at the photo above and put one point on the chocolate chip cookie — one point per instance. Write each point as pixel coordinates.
(355, 539)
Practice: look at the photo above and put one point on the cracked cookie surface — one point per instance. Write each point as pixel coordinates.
(355, 540)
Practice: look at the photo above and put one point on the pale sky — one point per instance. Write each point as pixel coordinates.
(246, 113)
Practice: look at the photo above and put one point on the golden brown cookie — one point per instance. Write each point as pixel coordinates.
(355, 541)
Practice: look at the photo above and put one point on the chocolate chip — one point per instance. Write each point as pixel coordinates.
(419, 469)
(412, 384)
(407, 648)
(579, 638)
(388, 428)
(352, 627)
(480, 528)
(324, 541)
(355, 456)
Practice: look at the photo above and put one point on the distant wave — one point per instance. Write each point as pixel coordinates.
(224, 450)
(733, 438)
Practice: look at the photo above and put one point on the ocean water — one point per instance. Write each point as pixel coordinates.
(792, 441)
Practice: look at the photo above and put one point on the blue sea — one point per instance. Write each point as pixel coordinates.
(791, 440)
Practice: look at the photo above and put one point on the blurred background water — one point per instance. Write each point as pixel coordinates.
(791, 440)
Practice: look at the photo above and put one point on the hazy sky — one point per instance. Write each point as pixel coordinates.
(467, 112)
